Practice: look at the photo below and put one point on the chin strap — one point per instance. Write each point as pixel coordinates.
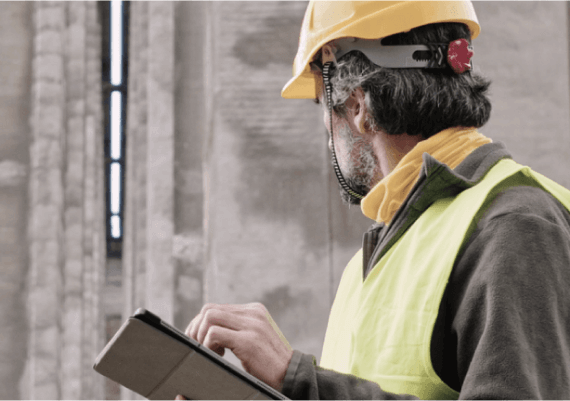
(328, 89)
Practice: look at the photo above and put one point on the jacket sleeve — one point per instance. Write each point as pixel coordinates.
(509, 299)
(304, 380)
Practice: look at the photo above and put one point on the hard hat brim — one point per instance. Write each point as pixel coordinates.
(302, 86)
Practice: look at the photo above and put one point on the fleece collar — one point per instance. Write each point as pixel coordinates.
(450, 147)
(436, 181)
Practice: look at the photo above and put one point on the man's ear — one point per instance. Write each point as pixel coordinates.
(357, 110)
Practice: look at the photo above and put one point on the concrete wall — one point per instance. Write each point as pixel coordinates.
(523, 48)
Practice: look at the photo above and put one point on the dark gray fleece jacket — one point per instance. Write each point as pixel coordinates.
(503, 328)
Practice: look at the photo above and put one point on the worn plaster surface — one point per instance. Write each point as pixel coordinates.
(523, 48)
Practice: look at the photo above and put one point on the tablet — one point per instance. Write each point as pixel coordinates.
(157, 361)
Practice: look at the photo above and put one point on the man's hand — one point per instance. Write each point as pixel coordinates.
(250, 333)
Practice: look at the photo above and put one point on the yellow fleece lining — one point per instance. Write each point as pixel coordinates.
(450, 146)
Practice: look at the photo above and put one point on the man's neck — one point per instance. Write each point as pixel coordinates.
(390, 149)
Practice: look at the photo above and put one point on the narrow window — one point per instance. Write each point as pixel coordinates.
(114, 18)
(115, 97)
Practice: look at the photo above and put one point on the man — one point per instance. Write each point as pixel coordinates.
(462, 287)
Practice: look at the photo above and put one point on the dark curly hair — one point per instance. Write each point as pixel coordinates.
(419, 102)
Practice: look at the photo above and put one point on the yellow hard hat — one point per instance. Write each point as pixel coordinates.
(325, 21)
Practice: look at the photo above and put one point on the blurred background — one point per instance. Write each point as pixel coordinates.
(148, 160)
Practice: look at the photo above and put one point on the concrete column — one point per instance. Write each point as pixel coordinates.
(16, 33)
(192, 117)
(149, 269)
(66, 232)
(46, 194)
(128, 224)
(129, 227)
(160, 162)
(148, 263)
(73, 316)
(93, 229)
(135, 236)
(135, 133)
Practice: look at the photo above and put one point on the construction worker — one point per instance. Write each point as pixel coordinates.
(462, 285)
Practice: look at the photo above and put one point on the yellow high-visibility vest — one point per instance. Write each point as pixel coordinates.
(380, 328)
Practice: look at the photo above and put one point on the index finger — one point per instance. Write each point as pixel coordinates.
(194, 325)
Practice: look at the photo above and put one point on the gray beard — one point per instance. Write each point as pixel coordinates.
(360, 174)
(348, 199)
